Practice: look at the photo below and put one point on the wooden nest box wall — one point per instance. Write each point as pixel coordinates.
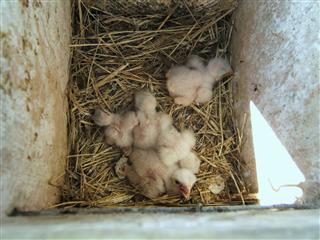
(274, 55)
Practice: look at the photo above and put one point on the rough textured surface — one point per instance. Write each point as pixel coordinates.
(252, 224)
(34, 72)
(275, 51)
(275, 55)
(156, 3)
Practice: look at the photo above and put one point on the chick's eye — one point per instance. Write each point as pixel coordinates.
(177, 182)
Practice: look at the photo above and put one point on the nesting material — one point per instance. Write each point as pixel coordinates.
(216, 184)
(120, 167)
(122, 48)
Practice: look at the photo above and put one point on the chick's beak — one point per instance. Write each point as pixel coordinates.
(185, 191)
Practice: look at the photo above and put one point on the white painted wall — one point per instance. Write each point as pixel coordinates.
(34, 73)
(251, 224)
(275, 53)
(276, 58)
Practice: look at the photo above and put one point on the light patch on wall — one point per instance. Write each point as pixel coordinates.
(277, 173)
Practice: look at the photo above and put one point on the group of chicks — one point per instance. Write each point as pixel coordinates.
(161, 159)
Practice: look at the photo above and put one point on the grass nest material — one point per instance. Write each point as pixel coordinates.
(123, 48)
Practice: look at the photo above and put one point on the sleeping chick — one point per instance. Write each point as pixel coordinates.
(182, 83)
(204, 92)
(181, 182)
(147, 172)
(151, 123)
(118, 127)
(213, 72)
(153, 178)
(174, 146)
(145, 133)
(145, 102)
(164, 121)
(190, 162)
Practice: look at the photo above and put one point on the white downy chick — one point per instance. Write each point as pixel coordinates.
(164, 121)
(182, 181)
(204, 92)
(120, 131)
(218, 67)
(190, 162)
(213, 72)
(145, 133)
(118, 127)
(174, 146)
(145, 102)
(147, 172)
(182, 83)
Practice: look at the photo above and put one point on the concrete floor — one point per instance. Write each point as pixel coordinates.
(246, 224)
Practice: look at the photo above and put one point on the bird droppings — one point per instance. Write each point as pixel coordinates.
(35, 136)
(126, 47)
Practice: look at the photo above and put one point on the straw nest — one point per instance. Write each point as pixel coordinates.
(120, 49)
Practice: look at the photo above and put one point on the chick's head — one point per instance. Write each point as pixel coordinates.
(183, 180)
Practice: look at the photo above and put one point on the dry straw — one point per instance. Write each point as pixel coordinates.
(123, 48)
